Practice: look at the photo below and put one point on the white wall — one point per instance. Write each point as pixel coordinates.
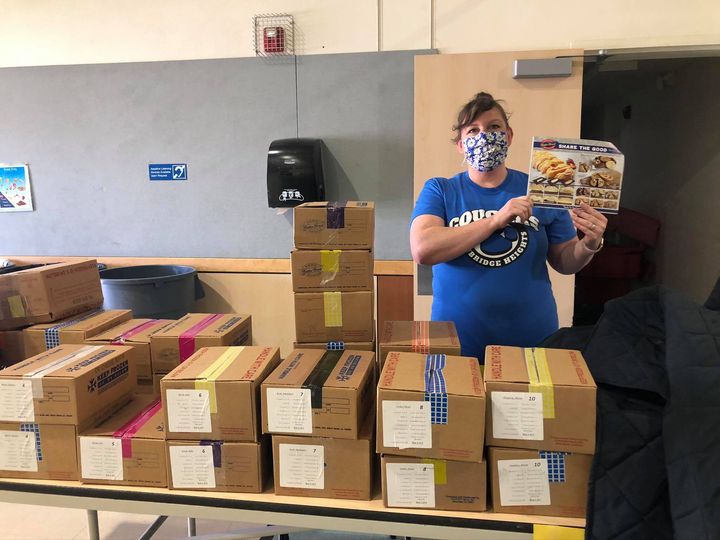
(42, 32)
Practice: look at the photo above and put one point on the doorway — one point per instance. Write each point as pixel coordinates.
(663, 114)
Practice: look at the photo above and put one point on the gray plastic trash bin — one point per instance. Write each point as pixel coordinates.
(153, 291)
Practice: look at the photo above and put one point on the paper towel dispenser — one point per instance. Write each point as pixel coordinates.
(295, 172)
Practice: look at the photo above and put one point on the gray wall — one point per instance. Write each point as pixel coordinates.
(89, 132)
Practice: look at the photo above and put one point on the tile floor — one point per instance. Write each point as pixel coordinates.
(26, 522)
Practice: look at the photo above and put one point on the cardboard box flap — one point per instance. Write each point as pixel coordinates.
(458, 375)
(133, 331)
(510, 364)
(417, 334)
(329, 369)
(204, 324)
(64, 361)
(241, 363)
(90, 320)
(292, 371)
(345, 204)
(141, 418)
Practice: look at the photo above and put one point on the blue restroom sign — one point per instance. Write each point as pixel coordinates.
(167, 171)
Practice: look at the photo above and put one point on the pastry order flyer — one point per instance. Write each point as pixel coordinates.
(15, 192)
(565, 173)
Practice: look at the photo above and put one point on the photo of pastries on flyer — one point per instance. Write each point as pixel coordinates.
(565, 173)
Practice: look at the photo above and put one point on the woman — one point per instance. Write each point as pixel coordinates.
(487, 243)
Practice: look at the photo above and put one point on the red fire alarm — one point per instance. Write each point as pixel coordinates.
(274, 39)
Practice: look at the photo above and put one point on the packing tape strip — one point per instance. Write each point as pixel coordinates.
(330, 260)
(440, 470)
(186, 341)
(216, 447)
(37, 375)
(555, 465)
(130, 428)
(134, 331)
(206, 379)
(332, 304)
(421, 337)
(540, 380)
(16, 305)
(435, 388)
(34, 429)
(336, 215)
(335, 346)
(557, 532)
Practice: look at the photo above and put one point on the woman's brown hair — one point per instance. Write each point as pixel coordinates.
(481, 103)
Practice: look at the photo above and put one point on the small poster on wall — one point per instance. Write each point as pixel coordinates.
(15, 192)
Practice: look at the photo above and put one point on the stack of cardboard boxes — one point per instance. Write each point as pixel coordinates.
(46, 400)
(430, 432)
(332, 274)
(318, 406)
(211, 405)
(43, 294)
(540, 430)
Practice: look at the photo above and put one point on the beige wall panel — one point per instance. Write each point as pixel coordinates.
(443, 83)
(267, 297)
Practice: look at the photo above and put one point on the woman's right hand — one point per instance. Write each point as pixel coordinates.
(518, 207)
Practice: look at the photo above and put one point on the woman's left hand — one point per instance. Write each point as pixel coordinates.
(591, 222)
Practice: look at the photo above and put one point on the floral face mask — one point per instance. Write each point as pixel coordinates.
(486, 151)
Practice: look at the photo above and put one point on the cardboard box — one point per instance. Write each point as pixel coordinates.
(319, 393)
(136, 334)
(179, 341)
(431, 406)
(539, 398)
(333, 225)
(567, 172)
(38, 451)
(77, 385)
(332, 270)
(539, 482)
(334, 316)
(48, 293)
(215, 394)
(241, 467)
(12, 348)
(423, 337)
(74, 330)
(146, 387)
(325, 467)
(337, 346)
(128, 449)
(410, 482)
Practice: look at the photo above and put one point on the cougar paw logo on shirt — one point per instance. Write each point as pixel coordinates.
(503, 247)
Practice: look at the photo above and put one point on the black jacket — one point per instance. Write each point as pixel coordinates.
(656, 474)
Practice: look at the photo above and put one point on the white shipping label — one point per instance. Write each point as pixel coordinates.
(406, 424)
(302, 466)
(289, 410)
(517, 415)
(101, 458)
(410, 484)
(16, 401)
(17, 451)
(524, 482)
(192, 467)
(189, 411)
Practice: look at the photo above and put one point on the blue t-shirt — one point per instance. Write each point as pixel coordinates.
(499, 293)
